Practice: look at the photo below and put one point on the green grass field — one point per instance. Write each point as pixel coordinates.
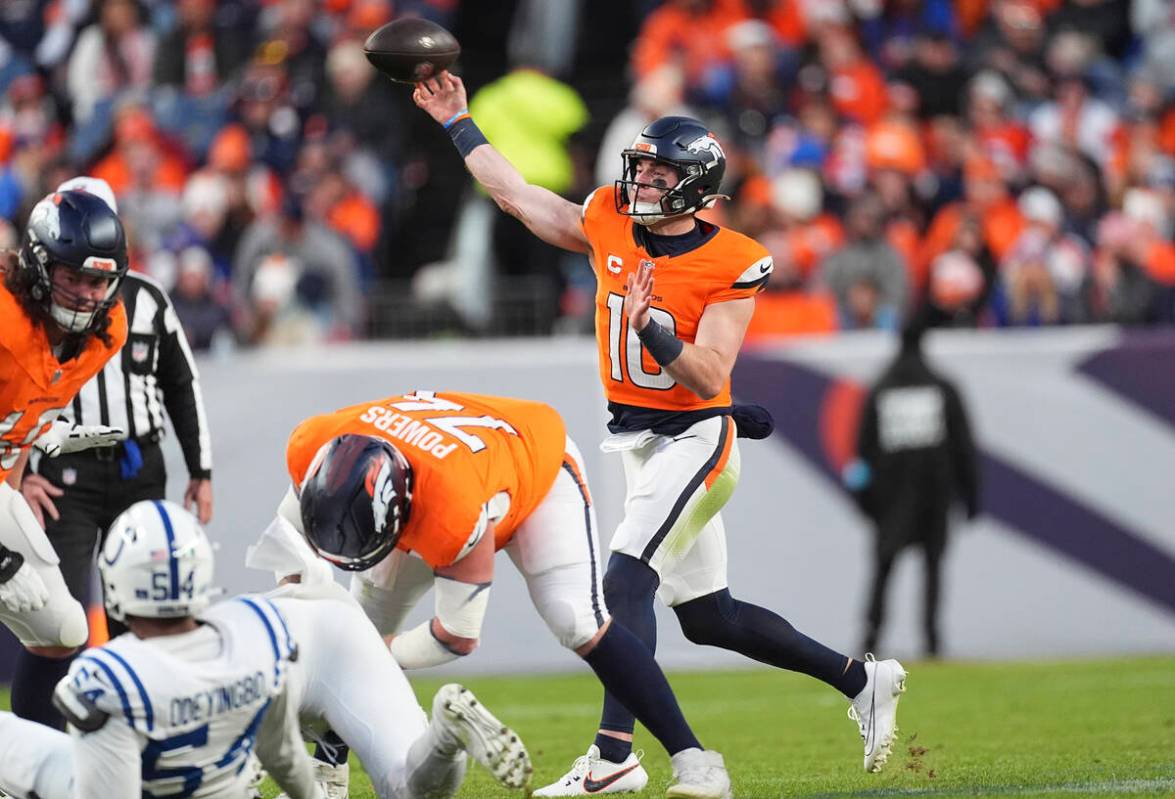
(1089, 728)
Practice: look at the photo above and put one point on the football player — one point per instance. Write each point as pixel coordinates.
(451, 478)
(176, 706)
(674, 296)
(347, 680)
(61, 322)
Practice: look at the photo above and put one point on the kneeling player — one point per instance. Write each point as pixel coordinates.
(175, 706)
(453, 478)
(347, 680)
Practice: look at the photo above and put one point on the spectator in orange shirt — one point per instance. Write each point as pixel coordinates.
(1001, 138)
(690, 32)
(141, 155)
(986, 198)
(856, 86)
(801, 234)
(786, 18)
(344, 208)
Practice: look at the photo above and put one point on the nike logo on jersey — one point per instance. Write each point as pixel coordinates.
(595, 786)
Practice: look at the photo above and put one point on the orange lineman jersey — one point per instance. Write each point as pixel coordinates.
(464, 449)
(34, 385)
(728, 266)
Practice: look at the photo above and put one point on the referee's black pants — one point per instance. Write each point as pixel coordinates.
(95, 493)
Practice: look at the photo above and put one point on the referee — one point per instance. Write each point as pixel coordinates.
(77, 496)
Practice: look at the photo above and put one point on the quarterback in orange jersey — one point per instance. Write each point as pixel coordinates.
(60, 321)
(674, 297)
(420, 490)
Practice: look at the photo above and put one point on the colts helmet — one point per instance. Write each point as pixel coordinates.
(156, 563)
(691, 148)
(73, 230)
(356, 500)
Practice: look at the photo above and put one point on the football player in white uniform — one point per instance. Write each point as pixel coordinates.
(347, 681)
(176, 706)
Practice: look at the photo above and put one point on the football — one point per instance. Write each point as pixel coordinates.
(410, 49)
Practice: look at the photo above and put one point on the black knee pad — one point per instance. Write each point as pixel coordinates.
(706, 620)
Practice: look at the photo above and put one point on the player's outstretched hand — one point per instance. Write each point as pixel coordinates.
(443, 97)
(639, 296)
(24, 591)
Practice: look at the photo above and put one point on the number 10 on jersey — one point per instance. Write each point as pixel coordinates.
(627, 355)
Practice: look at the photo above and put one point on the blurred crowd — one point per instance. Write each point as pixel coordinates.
(982, 162)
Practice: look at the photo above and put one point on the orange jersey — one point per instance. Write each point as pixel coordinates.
(728, 266)
(464, 449)
(34, 385)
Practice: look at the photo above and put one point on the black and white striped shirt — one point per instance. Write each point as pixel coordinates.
(154, 372)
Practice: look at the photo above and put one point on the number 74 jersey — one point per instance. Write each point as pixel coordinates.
(465, 450)
(727, 266)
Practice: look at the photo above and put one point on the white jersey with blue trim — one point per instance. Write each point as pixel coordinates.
(195, 700)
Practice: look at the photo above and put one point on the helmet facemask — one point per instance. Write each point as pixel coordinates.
(71, 304)
(71, 240)
(672, 202)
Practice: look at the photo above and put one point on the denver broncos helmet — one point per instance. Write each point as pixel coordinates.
(77, 231)
(687, 145)
(356, 500)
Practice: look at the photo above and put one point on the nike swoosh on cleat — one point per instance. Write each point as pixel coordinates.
(595, 786)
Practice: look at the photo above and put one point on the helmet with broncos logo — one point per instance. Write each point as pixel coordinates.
(689, 147)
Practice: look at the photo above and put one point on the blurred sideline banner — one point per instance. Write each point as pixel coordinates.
(1073, 556)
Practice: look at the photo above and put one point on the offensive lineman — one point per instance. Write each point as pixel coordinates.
(452, 478)
(665, 361)
(60, 321)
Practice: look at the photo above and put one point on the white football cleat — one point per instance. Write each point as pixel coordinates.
(488, 741)
(333, 780)
(698, 774)
(875, 709)
(591, 774)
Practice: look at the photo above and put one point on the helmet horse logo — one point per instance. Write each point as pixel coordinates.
(709, 145)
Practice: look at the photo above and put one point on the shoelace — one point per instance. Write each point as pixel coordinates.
(855, 717)
(581, 766)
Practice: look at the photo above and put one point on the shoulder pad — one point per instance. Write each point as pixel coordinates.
(79, 709)
(755, 275)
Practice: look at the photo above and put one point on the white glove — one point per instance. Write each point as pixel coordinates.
(63, 438)
(24, 591)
